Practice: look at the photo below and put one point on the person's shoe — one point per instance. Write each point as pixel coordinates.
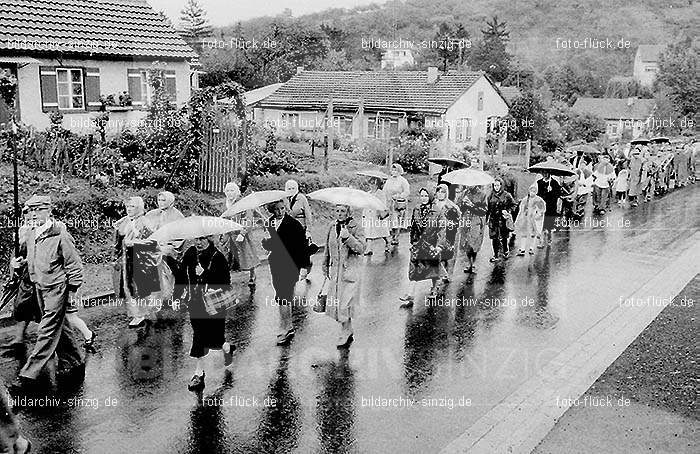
(531, 251)
(521, 253)
(602, 211)
(469, 269)
(22, 445)
(89, 344)
(228, 356)
(493, 259)
(407, 301)
(137, 322)
(196, 384)
(387, 250)
(284, 339)
(446, 280)
(344, 341)
(369, 253)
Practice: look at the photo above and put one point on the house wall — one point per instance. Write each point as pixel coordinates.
(467, 106)
(645, 71)
(614, 128)
(113, 80)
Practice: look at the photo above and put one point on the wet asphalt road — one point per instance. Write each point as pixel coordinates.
(442, 367)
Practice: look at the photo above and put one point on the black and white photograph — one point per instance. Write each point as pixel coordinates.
(349, 226)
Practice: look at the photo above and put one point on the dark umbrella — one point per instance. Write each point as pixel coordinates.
(639, 141)
(553, 168)
(660, 139)
(586, 148)
(448, 162)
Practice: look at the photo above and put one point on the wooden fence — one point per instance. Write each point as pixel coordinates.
(223, 154)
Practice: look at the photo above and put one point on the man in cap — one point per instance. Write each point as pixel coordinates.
(56, 270)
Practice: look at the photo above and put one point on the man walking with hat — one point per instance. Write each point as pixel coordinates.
(56, 270)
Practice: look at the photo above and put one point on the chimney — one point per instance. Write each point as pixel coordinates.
(432, 74)
(631, 100)
(299, 69)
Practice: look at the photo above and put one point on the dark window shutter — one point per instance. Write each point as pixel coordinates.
(49, 92)
(92, 89)
(170, 86)
(134, 79)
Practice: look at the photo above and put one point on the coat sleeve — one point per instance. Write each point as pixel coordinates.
(356, 241)
(71, 261)
(327, 252)
(307, 211)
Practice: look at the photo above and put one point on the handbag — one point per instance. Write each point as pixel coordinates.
(322, 298)
(510, 225)
(219, 300)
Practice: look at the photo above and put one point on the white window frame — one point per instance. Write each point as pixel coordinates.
(461, 128)
(70, 84)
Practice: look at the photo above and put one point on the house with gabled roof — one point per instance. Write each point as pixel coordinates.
(379, 104)
(66, 54)
(620, 114)
(646, 63)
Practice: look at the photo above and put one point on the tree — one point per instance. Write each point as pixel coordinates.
(194, 25)
(490, 54)
(678, 76)
(527, 118)
(586, 127)
(452, 43)
(568, 83)
(626, 87)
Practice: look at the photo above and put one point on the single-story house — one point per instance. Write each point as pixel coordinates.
(620, 114)
(66, 54)
(646, 63)
(379, 104)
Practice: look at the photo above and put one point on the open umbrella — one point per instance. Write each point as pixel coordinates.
(373, 174)
(349, 196)
(449, 162)
(194, 227)
(639, 141)
(553, 168)
(660, 139)
(468, 177)
(586, 148)
(255, 200)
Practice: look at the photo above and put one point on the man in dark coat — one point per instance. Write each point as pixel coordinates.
(550, 190)
(56, 270)
(287, 243)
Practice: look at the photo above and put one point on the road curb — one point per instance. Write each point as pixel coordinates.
(521, 420)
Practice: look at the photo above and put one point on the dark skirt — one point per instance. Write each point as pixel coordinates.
(208, 331)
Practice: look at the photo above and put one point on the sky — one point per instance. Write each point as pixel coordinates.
(226, 12)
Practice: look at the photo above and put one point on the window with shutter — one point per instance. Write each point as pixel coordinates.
(49, 92)
(480, 101)
(92, 88)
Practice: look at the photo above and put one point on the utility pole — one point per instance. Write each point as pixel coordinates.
(329, 133)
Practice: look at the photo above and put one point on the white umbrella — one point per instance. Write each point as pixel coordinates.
(194, 227)
(468, 177)
(349, 196)
(255, 200)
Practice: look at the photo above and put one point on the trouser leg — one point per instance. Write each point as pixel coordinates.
(9, 431)
(284, 295)
(54, 303)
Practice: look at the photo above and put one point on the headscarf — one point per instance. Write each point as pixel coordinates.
(398, 167)
(140, 206)
(169, 199)
(231, 187)
(291, 187)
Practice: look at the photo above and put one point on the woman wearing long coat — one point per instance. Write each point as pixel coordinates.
(472, 202)
(136, 264)
(239, 248)
(300, 210)
(158, 217)
(375, 222)
(450, 212)
(428, 238)
(342, 266)
(530, 220)
(500, 205)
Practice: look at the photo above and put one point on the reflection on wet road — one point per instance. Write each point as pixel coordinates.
(413, 380)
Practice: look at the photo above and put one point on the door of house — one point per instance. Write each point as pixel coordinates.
(223, 153)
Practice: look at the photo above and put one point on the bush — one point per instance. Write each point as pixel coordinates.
(267, 159)
(372, 150)
(412, 154)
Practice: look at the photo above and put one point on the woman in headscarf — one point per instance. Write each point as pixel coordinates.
(529, 222)
(300, 210)
(500, 207)
(450, 212)
(376, 223)
(473, 204)
(136, 264)
(427, 242)
(396, 191)
(158, 217)
(240, 249)
(206, 271)
(342, 266)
